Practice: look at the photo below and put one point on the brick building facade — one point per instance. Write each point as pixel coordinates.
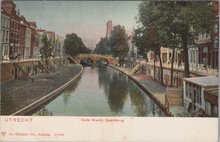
(9, 7)
(34, 50)
(5, 27)
(20, 39)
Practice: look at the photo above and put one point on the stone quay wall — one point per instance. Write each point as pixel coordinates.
(23, 97)
(16, 69)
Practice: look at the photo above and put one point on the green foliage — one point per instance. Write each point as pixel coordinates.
(174, 24)
(102, 47)
(138, 41)
(74, 45)
(46, 49)
(132, 54)
(177, 18)
(119, 42)
(86, 50)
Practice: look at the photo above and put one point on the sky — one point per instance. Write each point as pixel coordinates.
(86, 18)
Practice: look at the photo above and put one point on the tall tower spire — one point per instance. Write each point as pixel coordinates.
(108, 29)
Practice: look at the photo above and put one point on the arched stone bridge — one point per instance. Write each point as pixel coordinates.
(95, 58)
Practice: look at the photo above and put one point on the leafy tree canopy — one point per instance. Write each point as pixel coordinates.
(102, 47)
(46, 49)
(74, 45)
(175, 21)
(119, 42)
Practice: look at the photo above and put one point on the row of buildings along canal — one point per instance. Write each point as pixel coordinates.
(103, 91)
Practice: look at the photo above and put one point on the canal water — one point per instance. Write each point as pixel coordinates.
(101, 91)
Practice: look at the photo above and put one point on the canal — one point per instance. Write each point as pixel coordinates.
(101, 91)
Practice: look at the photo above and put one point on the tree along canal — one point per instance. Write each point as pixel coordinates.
(101, 91)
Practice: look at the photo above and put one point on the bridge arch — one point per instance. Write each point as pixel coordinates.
(95, 57)
(87, 61)
(102, 59)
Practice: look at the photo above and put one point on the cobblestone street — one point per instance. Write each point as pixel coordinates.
(17, 94)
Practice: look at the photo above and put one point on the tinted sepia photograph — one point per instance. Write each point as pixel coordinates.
(109, 59)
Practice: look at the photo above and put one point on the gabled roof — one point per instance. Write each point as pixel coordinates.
(8, 1)
(4, 12)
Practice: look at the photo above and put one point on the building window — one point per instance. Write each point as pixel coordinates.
(7, 23)
(6, 50)
(13, 25)
(1, 36)
(7, 36)
(2, 52)
(216, 28)
(187, 89)
(205, 49)
(208, 108)
(199, 95)
(3, 22)
(190, 91)
(216, 42)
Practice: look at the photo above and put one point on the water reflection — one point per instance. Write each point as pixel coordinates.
(101, 91)
(67, 93)
(138, 101)
(118, 90)
(115, 88)
(104, 78)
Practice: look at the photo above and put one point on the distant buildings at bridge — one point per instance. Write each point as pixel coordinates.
(21, 38)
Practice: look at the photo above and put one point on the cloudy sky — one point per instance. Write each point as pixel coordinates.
(86, 18)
